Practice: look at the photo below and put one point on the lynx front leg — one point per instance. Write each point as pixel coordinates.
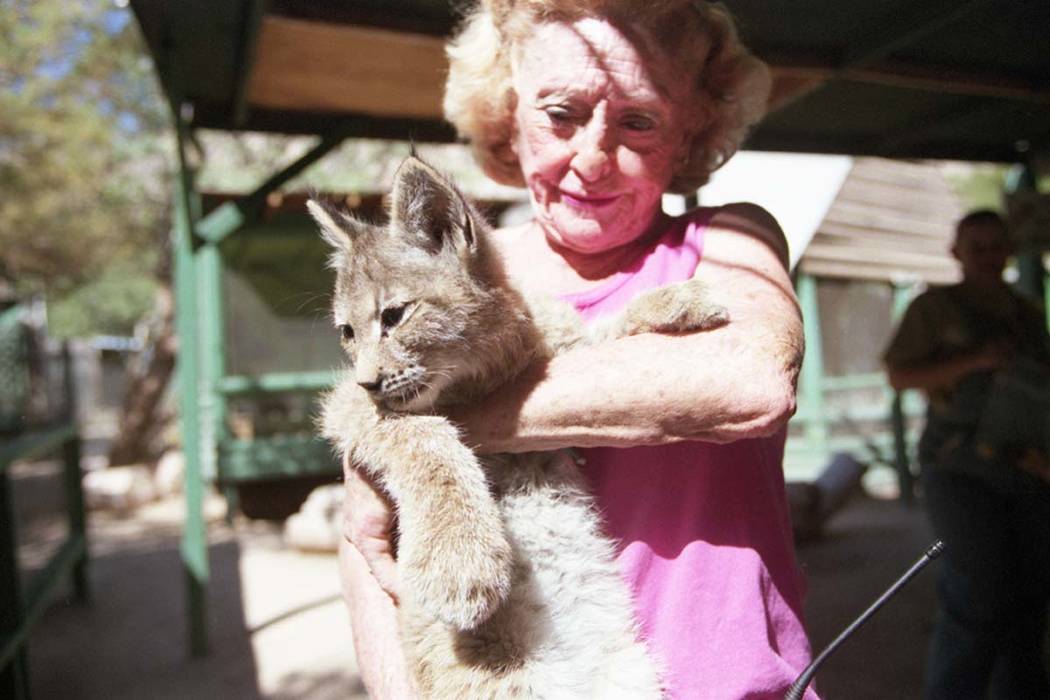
(453, 557)
(681, 307)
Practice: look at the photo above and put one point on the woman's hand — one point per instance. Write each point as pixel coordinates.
(369, 577)
(368, 524)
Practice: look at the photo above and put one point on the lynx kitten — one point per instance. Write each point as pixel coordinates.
(508, 587)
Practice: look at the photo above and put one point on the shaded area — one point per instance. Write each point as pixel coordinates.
(131, 641)
(865, 548)
(278, 628)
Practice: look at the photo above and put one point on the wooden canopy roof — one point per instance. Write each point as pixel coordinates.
(962, 79)
(891, 221)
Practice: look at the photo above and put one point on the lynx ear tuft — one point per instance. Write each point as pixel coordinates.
(334, 224)
(427, 207)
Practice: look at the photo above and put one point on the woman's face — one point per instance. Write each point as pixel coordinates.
(600, 129)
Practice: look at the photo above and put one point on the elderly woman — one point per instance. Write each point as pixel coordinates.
(598, 108)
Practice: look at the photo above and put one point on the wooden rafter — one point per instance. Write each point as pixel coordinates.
(246, 58)
(315, 67)
(871, 48)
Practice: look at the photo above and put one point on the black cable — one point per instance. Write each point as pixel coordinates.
(798, 688)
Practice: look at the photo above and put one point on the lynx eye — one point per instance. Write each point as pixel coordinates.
(392, 315)
(347, 332)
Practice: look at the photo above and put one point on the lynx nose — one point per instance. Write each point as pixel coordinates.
(370, 385)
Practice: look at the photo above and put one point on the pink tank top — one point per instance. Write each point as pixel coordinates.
(704, 529)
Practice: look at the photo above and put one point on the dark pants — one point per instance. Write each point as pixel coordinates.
(993, 588)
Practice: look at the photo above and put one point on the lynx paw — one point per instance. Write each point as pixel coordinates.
(460, 573)
(676, 308)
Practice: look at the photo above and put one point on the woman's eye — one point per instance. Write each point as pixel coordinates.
(392, 315)
(559, 115)
(347, 332)
(639, 123)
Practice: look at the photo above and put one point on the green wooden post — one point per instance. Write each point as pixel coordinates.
(14, 676)
(73, 480)
(194, 546)
(213, 364)
(1046, 296)
(1031, 276)
(905, 479)
(812, 379)
(212, 349)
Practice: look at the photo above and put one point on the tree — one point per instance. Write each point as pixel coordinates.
(85, 168)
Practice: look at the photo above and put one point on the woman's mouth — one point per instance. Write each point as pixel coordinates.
(582, 201)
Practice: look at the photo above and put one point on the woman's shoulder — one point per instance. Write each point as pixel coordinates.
(735, 223)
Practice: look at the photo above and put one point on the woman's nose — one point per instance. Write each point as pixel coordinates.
(592, 160)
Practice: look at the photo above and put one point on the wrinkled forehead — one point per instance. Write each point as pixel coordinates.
(594, 54)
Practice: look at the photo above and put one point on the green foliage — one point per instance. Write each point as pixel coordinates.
(84, 159)
(981, 187)
(111, 303)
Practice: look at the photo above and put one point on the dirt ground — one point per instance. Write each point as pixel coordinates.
(279, 630)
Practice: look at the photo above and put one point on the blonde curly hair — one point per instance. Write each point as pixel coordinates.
(731, 85)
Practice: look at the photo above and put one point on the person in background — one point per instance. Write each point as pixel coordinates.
(994, 517)
(598, 107)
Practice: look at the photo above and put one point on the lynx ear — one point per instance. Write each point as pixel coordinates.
(336, 227)
(427, 207)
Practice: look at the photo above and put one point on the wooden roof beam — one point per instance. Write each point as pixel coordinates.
(929, 124)
(246, 53)
(904, 31)
(876, 45)
(902, 75)
(308, 66)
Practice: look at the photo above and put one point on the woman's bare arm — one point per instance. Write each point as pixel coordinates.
(373, 620)
(369, 576)
(733, 382)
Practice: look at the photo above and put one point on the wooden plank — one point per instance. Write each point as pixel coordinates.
(873, 254)
(876, 218)
(845, 234)
(898, 74)
(927, 201)
(316, 67)
(863, 271)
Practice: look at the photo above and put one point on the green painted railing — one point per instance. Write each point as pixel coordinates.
(20, 609)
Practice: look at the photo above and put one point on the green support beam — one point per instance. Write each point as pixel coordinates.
(229, 217)
(208, 267)
(277, 382)
(902, 296)
(14, 674)
(1031, 273)
(201, 360)
(194, 546)
(22, 603)
(812, 380)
